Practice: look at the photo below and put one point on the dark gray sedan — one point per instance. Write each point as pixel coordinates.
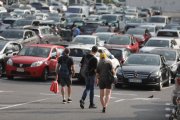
(144, 69)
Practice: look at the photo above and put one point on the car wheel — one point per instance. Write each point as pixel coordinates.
(168, 83)
(160, 85)
(45, 75)
(10, 77)
(117, 85)
(1, 70)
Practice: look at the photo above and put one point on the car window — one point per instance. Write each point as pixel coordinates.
(78, 52)
(16, 47)
(54, 52)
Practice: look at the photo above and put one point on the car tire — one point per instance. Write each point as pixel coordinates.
(168, 83)
(1, 70)
(10, 77)
(160, 85)
(44, 76)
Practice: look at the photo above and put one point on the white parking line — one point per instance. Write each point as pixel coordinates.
(137, 99)
(125, 94)
(1, 91)
(16, 105)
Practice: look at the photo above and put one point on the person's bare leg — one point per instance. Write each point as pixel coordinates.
(69, 91)
(107, 96)
(63, 93)
(102, 93)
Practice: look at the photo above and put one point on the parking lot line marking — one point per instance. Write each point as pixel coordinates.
(134, 99)
(48, 94)
(5, 91)
(120, 100)
(125, 94)
(99, 97)
(16, 105)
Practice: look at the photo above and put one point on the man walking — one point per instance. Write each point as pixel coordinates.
(90, 76)
(65, 72)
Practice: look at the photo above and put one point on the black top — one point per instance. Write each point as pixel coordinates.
(92, 63)
(67, 59)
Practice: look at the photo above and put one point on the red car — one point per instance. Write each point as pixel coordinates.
(34, 61)
(125, 41)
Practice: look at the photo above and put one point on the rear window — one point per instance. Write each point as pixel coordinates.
(167, 34)
(78, 52)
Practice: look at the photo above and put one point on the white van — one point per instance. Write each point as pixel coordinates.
(81, 10)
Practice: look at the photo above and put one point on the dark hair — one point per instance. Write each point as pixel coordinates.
(66, 51)
(94, 49)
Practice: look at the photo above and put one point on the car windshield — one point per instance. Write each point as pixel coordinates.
(84, 40)
(169, 55)
(157, 43)
(12, 34)
(109, 18)
(78, 52)
(150, 29)
(35, 51)
(136, 31)
(2, 44)
(119, 40)
(167, 34)
(136, 59)
(103, 37)
(156, 20)
(73, 10)
(102, 29)
(117, 53)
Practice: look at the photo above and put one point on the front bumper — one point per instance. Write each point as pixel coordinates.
(153, 81)
(24, 72)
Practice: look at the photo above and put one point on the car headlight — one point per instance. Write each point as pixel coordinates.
(10, 62)
(155, 74)
(36, 64)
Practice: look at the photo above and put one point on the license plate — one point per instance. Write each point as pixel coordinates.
(135, 80)
(20, 69)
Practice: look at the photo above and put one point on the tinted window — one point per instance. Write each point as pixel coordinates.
(12, 34)
(167, 34)
(84, 40)
(156, 20)
(78, 52)
(143, 60)
(136, 31)
(35, 51)
(157, 43)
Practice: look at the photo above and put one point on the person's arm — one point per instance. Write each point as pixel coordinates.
(73, 70)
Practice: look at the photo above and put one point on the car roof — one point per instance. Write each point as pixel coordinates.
(45, 45)
(170, 30)
(160, 38)
(80, 46)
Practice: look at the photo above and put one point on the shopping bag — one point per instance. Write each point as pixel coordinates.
(54, 87)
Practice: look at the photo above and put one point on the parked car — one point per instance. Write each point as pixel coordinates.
(104, 36)
(144, 69)
(172, 57)
(89, 28)
(34, 61)
(159, 42)
(126, 41)
(87, 39)
(22, 36)
(156, 10)
(7, 49)
(45, 34)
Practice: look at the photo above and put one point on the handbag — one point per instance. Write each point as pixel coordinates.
(54, 86)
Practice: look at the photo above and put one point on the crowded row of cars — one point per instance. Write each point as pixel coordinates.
(144, 50)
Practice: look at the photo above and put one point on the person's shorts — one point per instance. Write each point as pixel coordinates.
(105, 85)
(65, 81)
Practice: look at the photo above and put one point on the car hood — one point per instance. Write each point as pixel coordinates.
(27, 59)
(140, 68)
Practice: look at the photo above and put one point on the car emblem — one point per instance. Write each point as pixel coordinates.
(135, 75)
(20, 65)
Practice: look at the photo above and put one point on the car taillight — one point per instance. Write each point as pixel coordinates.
(178, 81)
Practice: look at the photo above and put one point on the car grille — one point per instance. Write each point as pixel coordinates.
(132, 74)
(21, 65)
(20, 73)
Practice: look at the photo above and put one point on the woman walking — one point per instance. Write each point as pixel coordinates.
(104, 72)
